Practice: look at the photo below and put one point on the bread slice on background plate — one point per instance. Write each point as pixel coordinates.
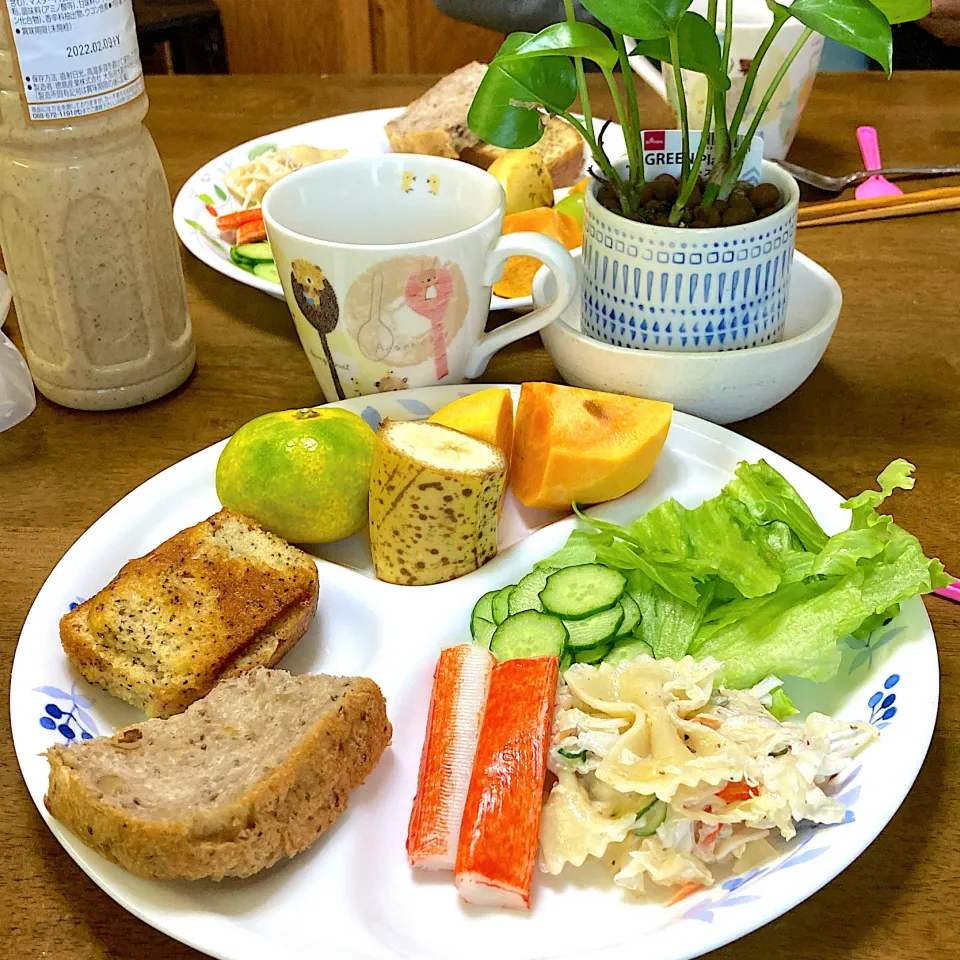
(211, 602)
(254, 772)
(561, 148)
(436, 122)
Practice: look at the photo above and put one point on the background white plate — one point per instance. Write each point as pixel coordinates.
(353, 895)
(361, 134)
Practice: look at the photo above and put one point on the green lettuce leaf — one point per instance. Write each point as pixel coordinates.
(794, 633)
(668, 624)
(782, 706)
(769, 496)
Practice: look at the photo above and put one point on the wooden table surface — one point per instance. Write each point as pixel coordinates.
(888, 386)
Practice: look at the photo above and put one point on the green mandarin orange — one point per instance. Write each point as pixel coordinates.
(302, 474)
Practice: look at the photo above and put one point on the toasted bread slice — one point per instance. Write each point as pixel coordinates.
(436, 123)
(560, 146)
(254, 772)
(216, 599)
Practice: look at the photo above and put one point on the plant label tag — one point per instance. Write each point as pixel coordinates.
(663, 153)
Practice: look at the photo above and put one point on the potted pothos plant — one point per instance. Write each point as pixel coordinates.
(636, 224)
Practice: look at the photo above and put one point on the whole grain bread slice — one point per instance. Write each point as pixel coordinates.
(218, 598)
(436, 122)
(254, 772)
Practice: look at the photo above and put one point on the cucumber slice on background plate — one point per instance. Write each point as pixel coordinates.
(527, 594)
(267, 271)
(529, 634)
(483, 631)
(257, 252)
(578, 592)
(566, 661)
(501, 604)
(631, 615)
(630, 650)
(594, 630)
(593, 654)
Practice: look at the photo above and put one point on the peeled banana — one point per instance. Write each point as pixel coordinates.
(434, 497)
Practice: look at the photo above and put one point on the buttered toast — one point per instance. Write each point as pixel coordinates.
(213, 601)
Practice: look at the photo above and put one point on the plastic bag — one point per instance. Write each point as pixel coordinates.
(17, 398)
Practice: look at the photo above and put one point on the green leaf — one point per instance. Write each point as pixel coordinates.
(768, 497)
(194, 224)
(640, 19)
(207, 199)
(260, 149)
(854, 23)
(668, 624)
(220, 191)
(903, 11)
(794, 632)
(570, 40)
(896, 476)
(781, 705)
(506, 108)
(699, 49)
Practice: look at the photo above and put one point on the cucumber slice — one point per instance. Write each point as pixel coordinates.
(483, 609)
(593, 654)
(267, 271)
(594, 630)
(501, 604)
(631, 615)
(649, 818)
(257, 252)
(242, 261)
(483, 631)
(577, 592)
(529, 634)
(527, 594)
(566, 661)
(630, 650)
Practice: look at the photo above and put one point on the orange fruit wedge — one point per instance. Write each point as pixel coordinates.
(486, 416)
(518, 272)
(572, 445)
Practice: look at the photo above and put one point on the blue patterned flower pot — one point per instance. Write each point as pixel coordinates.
(668, 288)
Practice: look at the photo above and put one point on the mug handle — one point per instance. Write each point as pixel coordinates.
(556, 256)
(650, 75)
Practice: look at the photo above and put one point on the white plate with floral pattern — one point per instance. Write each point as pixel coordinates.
(352, 896)
(204, 197)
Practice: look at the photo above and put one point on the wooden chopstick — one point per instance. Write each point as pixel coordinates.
(836, 208)
(885, 212)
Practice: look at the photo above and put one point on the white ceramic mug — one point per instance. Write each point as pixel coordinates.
(387, 265)
(752, 19)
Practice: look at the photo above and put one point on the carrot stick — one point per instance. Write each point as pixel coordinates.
(252, 232)
(230, 221)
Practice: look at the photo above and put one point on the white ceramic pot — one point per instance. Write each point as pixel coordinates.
(722, 387)
(669, 288)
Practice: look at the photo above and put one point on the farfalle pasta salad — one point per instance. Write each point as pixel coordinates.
(667, 776)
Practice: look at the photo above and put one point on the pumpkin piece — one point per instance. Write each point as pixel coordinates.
(518, 272)
(573, 445)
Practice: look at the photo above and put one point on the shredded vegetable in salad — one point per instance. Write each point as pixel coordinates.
(665, 776)
(250, 181)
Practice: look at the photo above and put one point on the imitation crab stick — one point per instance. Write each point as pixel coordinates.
(501, 819)
(453, 726)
